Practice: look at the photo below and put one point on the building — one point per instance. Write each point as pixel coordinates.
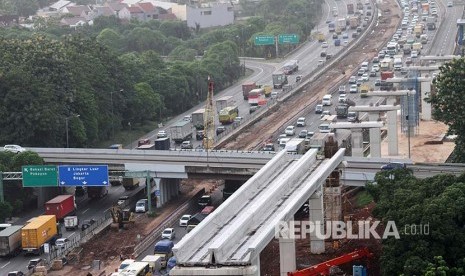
(210, 15)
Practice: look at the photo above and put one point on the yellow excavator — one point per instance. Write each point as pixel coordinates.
(122, 218)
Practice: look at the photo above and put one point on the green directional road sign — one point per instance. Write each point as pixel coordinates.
(40, 176)
(264, 40)
(288, 38)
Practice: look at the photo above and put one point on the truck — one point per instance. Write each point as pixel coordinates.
(163, 249)
(146, 147)
(71, 222)
(295, 145)
(291, 66)
(431, 23)
(359, 5)
(181, 131)
(418, 30)
(61, 206)
(97, 191)
(425, 7)
(153, 261)
(424, 39)
(130, 183)
(386, 75)
(397, 63)
(331, 29)
(222, 103)
(162, 143)
(364, 88)
(354, 22)
(246, 87)
(417, 47)
(279, 79)
(317, 141)
(341, 24)
(385, 64)
(350, 8)
(407, 49)
(10, 241)
(342, 110)
(198, 119)
(38, 231)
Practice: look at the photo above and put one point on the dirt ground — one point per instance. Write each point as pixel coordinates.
(109, 244)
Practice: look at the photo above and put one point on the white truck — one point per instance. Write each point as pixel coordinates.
(397, 62)
(71, 222)
(153, 261)
(198, 119)
(341, 24)
(295, 145)
(222, 103)
(181, 131)
(10, 241)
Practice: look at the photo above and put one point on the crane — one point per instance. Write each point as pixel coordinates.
(209, 119)
(323, 268)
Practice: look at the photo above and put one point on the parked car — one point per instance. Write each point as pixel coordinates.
(61, 242)
(33, 263)
(168, 233)
(184, 220)
(14, 148)
(186, 145)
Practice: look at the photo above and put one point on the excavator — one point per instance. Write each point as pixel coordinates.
(122, 218)
(323, 268)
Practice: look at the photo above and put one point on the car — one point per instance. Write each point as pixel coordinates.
(393, 166)
(320, 62)
(290, 130)
(186, 145)
(335, 36)
(171, 263)
(381, 54)
(142, 205)
(187, 118)
(162, 134)
(274, 94)
(354, 35)
(345, 42)
(16, 273)
(324, 44)
(122, 199)
(269, 147)
(205, 200)
(449, 4)
(61, 242)
(253, 108)
(310, 134)
(375, 67)
(298, 78)
(414, 54)
(325, 112)
(327, 100)
(86, 224)
(220, 129)
(281, 136)
(303, 133)
(323, 54)
(345, 36)
(342, 98)
(328, 56)
(168, 233)
(33, 263)
(342, 89)
(353, 88)
(365, 77)
(14, 148)
(359, 81)
(361, 72)
(184, 220)
(319, 109)
(300, 122)
(199, 135)
(353, 80)
(237, 119)
(373, 73)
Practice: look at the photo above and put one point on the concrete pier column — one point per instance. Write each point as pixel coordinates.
(357, 142)
(375, 137)
(287, 254)
(157, 191)
(317, 245)
(256, 264)
(392, 138)
(425, 107)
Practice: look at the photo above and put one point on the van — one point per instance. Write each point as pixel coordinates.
(301, 122)
(142, 206)
(327, 99)
(365, 65)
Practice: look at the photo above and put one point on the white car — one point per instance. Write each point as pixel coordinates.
(142, 206)
(238, 119)
(184, 220)
(61, 242)
(365, 77)
(450, 4)
(14, 148)
(290, 130)
(375, 67)
(301, 122)
(162, 134)
(324, 45)
(414, 54)
(168, 233)
(342, 98)
(187, 118)
(353, 88)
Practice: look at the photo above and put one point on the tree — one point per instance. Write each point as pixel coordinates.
(449, 85)
(110, 38)
(6, 210)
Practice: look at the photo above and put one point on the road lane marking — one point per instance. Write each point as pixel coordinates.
(83, 212)
(6, 264)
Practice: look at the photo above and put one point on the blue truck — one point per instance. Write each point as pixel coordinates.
(164, 249)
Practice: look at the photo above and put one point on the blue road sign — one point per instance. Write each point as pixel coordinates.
(86, 175)
(157, 192)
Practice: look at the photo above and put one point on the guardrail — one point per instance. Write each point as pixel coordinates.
(156, 233)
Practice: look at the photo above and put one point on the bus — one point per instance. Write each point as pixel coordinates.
(279, 79)
(228, 114)
(137, 269)
(392, 49)
(255, 95)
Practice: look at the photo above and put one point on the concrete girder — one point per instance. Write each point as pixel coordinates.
(347, 125)
(376, 108)
(391, 93)
(446, 57)
(403, 80)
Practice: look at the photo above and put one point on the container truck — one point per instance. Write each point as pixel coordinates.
(246, 87)
(223, 102)
(181, 131)
(164, 249)
(37, 232)
(295, 145)
(197, 118)
(291, 66)
(386, 75)
(418, 30)
(10, 241)
(61, 206)
(350, 8)
(385, 64)
(354, 22)
(97, 191)
(162, 143)
(342, 24)
(279, 79)
(130, 183)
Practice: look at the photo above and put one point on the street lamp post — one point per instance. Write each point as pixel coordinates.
(66, 123)
(112, 113)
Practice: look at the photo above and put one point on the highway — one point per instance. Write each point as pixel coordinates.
(444, 43)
